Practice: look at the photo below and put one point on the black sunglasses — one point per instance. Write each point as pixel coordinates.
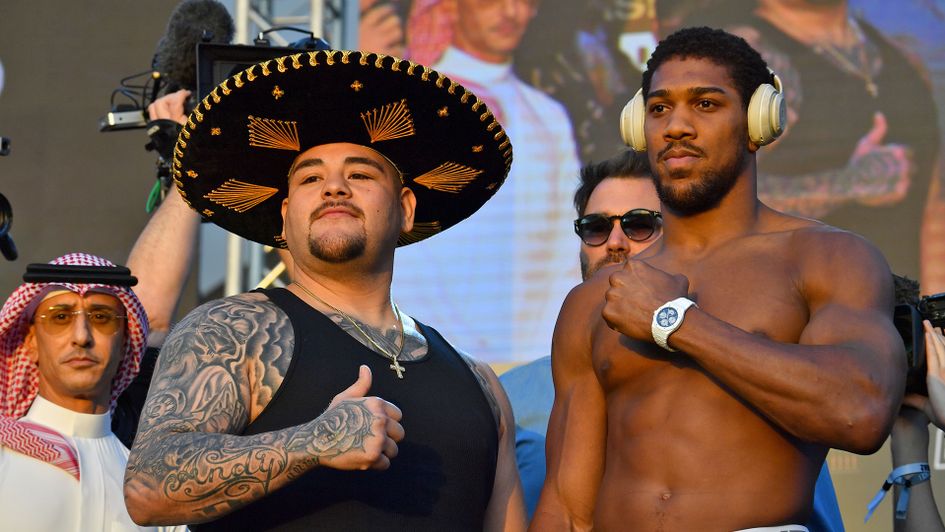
(637, 224)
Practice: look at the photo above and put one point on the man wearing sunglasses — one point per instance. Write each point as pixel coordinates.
(619, 217)
(71, 339)
(700, 385)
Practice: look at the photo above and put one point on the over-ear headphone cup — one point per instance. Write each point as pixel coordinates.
(766, 115)
(631, 122)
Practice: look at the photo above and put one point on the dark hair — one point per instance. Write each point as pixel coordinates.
(745, 65)
(629, 164)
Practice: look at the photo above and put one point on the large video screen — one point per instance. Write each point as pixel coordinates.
(864, 81)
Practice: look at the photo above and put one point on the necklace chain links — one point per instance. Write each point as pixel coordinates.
(394, 357)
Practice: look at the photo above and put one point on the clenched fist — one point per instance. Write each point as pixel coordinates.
(635, 292)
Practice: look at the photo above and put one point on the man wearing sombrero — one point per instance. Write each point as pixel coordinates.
(339, 157)
(71, 339)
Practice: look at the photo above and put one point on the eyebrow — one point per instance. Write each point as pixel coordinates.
(691, 91)
(306, 163)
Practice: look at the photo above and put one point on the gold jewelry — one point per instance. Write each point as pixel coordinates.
(395, 366)
(864, 71)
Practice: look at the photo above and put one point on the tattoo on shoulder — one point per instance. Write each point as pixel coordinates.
(203, 382)
(481, 374)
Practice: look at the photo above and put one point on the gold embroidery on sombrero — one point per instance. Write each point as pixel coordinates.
(295, 61)
(214, 131)
(391, 121)
(207, 212)
(443, 112)
(240, 196)
(357, 86)
(344, 56)
(192, 174)
(238, 80)
(363, 60)
(265, 67)
(395, 67)
(448, 177)
(330, 57)
(280, 64)
(197, 114)
(250, 77)
(379, 62)
(312, 61)
(185, 133)
(493, 125)
(411, 67)
(485, 116)
(277, 92)
(491, 186)
(224, 87)
(214, 95)
(420, 231)
(271, 133)
(465, 97)
(477, 148)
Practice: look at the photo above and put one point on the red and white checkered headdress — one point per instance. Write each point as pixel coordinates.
(19, 377)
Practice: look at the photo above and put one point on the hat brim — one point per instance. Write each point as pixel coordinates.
(232, 158)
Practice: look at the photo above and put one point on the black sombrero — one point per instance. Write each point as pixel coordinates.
(232, 157)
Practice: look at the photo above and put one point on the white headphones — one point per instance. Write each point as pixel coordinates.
(767, 115)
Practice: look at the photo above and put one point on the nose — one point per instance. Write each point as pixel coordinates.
(617, 241)
(677, 126)
(81, 330)
(336, 186)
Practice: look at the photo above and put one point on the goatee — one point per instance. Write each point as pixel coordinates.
(704, 194)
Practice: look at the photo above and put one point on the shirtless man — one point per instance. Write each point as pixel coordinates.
(789, 351)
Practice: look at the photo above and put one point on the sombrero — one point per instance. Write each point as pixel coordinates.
(232, 157)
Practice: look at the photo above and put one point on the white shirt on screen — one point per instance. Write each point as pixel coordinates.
(493, 284)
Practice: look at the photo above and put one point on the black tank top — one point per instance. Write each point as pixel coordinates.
(443, 475)
(835, 112)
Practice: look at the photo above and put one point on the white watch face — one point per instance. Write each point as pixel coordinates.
(667, 317)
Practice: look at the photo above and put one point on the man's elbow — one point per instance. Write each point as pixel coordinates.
(147, 505)
(866, 432)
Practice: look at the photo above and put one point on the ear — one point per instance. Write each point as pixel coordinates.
(408, 206)
(30, 342)
(285, 207)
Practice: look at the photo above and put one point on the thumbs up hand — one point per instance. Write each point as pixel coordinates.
(356, 432)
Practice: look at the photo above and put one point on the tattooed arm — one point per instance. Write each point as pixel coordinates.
(218, 369)
(506, 509)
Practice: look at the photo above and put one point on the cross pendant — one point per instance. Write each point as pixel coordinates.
(398, 369)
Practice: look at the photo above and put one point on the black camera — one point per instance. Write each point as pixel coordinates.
(908, 320)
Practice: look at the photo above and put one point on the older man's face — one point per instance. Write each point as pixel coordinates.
(77, 344)
(615, 196)
(491, 29)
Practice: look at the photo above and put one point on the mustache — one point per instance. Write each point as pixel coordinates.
(333, 204)
(680, 144)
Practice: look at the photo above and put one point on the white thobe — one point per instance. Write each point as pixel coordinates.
(37, 496)
(494, 283)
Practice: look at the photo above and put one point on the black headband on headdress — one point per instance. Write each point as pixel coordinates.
(68, 273)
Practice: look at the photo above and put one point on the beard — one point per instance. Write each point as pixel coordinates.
(708, 192)
(588, 269)
(337, 248)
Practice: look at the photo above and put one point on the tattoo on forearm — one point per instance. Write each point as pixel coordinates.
(223, 357)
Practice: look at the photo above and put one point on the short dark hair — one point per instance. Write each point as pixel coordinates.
(629, 164)
(745, 65)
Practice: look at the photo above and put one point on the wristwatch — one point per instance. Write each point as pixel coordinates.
(667, 319)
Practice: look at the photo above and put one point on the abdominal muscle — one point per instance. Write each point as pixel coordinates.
(683, 453)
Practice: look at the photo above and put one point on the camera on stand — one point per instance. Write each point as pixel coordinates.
(908, 319)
